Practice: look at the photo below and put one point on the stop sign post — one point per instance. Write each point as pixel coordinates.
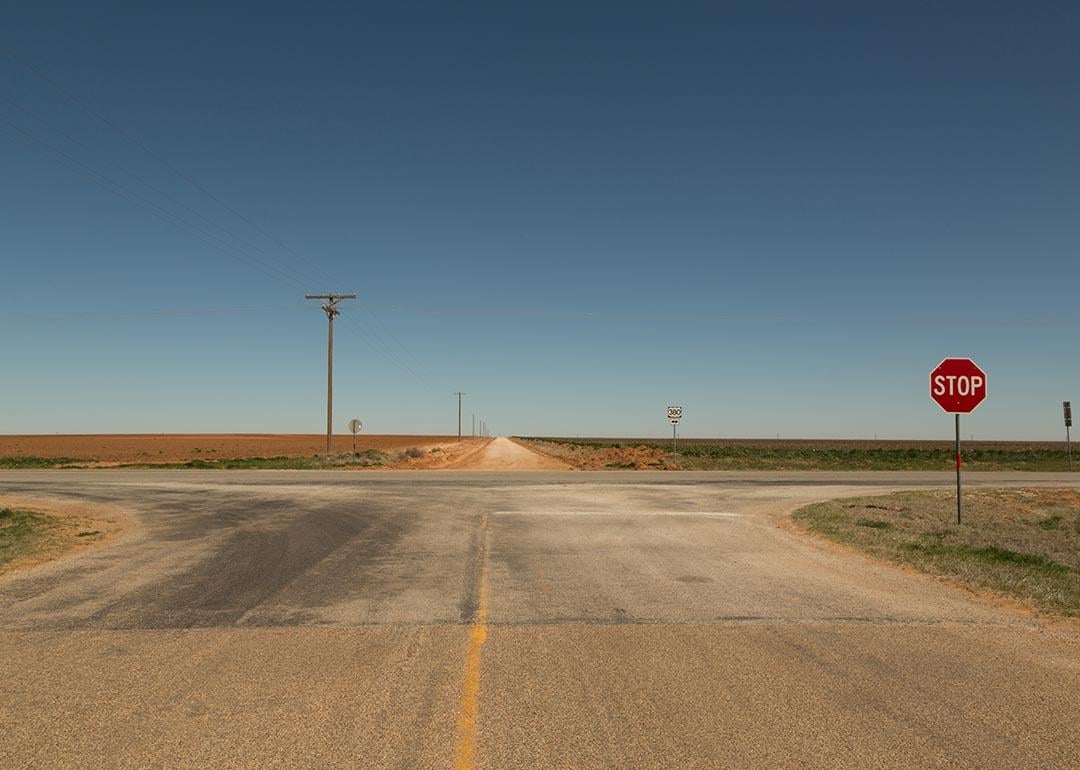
(958, 385)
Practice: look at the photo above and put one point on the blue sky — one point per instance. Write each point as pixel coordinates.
(781, 216)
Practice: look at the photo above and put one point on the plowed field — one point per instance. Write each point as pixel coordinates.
(172, 448)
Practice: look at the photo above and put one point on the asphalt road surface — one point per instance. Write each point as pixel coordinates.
(569, 620)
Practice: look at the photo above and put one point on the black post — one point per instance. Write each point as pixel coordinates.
(958, 503)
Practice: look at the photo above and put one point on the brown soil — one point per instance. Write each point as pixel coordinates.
(628, 457)
(78, 528)
(171, 448)
(503, 454)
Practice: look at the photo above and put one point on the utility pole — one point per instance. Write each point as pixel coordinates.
(474, 424)
(329, 305)
(459, 394)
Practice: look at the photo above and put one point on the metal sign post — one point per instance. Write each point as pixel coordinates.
(674, 414)
(959, 497)
(958, 385)
(355, 426)
(1068, 424)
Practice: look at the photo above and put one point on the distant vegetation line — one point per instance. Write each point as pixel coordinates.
(806, 454)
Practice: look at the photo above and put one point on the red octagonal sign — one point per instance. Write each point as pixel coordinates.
(958, 385)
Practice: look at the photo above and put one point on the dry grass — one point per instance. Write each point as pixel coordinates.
(1024, 543)
(36, 530)
(21, 532)
(802, 454)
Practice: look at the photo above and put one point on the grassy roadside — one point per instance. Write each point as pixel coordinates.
(371, 458)
(789, 455)
(21, 533)
(1023, 543)
(17, 463)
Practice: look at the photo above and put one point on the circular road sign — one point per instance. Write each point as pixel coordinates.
(355, 426)
(958, 385)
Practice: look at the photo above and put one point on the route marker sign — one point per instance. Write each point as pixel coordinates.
(674, 414)
(355, 426)
(958, 385)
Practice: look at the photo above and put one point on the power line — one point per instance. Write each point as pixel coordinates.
(121, 191)
(526, 312)
(123, 169)
(142, 146)
(112, 315)
(380, 346)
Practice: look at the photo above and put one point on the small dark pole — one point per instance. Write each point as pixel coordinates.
(1068, 424)
(958, 498)
(674, 440)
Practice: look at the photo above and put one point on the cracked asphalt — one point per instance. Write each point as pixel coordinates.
(309, 619)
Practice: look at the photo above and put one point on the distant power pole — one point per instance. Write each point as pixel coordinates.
(329, 305)
(459, 394)
(474, 424)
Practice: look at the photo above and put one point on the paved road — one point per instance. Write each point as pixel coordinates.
(569, 620)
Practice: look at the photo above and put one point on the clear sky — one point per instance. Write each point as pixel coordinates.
(780, 215)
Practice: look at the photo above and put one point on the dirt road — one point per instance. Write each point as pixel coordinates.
(504, 620)
(503, 454)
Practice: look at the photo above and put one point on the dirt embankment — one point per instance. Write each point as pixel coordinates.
(592, 458)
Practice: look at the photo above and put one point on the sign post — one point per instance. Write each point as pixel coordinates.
(674, 414)
(355, 426)
(1068, 424)
(958, 385)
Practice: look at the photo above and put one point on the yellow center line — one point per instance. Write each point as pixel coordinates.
(465, 757)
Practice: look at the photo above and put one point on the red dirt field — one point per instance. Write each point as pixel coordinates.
(171, 448)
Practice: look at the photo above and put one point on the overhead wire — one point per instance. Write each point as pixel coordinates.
(139, 178)
(36, 72)
(134, 198)
(162, 312)
(370, 336)
(524, 311)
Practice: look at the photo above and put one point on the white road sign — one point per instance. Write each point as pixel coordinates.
(674, 413)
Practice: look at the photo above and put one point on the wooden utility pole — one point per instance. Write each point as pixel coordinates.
(459, 394)
(329, 305)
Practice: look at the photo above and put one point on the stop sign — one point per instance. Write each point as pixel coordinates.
(958, 385)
